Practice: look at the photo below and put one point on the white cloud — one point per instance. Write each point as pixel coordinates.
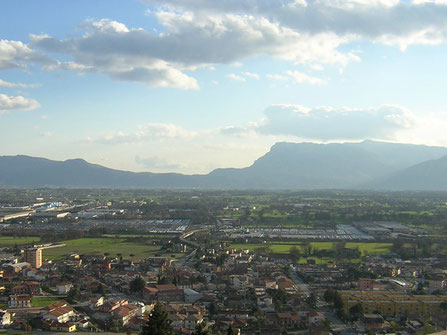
(106, 26)
(251, 75)
(235, 77)
(277, 77)
(236, 131)
(69, 66)
(326, 123)
(201, 33)
(8, 84)
(15, 54)
(110, 48)
(355, 4)
(302, 78)
(16, 103)
(367, 20)
(147, 132)
(435, 2)
(317, 67)
(428, 36)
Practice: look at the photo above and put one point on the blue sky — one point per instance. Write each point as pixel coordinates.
(193, 85)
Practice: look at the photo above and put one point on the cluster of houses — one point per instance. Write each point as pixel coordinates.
(220, 287)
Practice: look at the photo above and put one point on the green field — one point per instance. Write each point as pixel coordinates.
(43, 301)
(112, 246)
(7, 241)
(284, 247)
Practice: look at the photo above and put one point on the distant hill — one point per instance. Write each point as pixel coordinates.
(427, 176)
(319, 166)
(25, 171)
(369, 164)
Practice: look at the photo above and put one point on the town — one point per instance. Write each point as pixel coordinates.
(239, 262)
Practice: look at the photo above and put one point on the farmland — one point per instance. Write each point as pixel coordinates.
(107, 246)
(284, 248)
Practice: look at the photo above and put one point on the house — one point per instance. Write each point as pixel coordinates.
(283, 320)
(59, 312)
(67, 327)
(110, 305)
(316, 317)
(192, 296)
(169, 293)
(369, 284)
(192, 320)
(125, 313)
(64, 288)
(19, 301)
(373, 322)
(96, 302)
(150, 294)
(5, 318)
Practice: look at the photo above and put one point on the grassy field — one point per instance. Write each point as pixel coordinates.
(43, 302)
(8, 241)
(102, 245)
(284, 247)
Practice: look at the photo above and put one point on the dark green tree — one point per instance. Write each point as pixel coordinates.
(338, 301)
(312, 301)
(137, 284)
(202, 329)
(73, 294)
(356, 312)
(295, 254)
(329, 295)
(158, 323)
(100, 290)
(213, 308)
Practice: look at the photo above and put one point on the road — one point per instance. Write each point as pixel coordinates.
(337, 325)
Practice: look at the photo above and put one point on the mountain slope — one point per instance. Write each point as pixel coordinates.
(427, 176)
(401, 156)
(307, 165)
(25, 171)
(286, 166)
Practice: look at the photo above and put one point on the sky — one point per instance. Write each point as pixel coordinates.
(193, 85)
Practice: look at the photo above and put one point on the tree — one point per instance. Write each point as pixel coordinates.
(338, 301)
(202, 329)
(329, 295)
(356, 312)
(230, 330)
(213, 308)
(100, 290)
(295, 254)
(158, 323)
(312, 301)
(73, 294)
(137, 284)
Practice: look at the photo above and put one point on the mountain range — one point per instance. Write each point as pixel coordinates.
(364, 165)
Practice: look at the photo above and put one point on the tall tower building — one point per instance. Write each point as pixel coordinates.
(34, 257)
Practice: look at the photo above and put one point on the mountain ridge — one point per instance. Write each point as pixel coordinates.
(365, 165)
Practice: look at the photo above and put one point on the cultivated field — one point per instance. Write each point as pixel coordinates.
(104, 245)
(8, 241)
(284, 248)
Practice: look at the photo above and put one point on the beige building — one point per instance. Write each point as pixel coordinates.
(34, 257)
(391, 303)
